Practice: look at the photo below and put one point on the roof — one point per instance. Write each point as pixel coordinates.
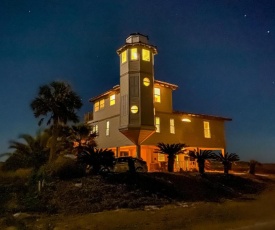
(116, 88)
(113, 90)
(203, 116)
(122, 48)
(166, 84)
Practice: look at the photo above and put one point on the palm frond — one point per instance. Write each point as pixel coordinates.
(170, 149)
(202, 155)
(226, 157)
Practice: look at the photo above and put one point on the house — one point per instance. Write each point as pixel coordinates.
(132, 117)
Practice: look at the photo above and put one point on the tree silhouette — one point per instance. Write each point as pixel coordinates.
(59, 103)
(226, 160)
(171, 150)
(201, 156)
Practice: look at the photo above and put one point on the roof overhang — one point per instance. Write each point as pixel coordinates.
(117, 88)
(129, 45)
(204, 116)
(113, 90)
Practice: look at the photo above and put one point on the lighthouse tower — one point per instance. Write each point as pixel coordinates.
(136, 89)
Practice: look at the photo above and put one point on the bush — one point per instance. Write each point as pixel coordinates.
(11, 177)
(62, 168)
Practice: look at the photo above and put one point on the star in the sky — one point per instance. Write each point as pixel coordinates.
(244, 15)
(29, 11)
(268, 31)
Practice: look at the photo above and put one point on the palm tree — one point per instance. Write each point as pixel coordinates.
(32, 152)
(96, 158)
(226, 160)
(201, 156)
(59, 103)
(82, 137)
(171, 150)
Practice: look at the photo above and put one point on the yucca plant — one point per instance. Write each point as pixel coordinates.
(227, 159)
(201, 156)
(252, 166)
(96, 158)
(171, 150)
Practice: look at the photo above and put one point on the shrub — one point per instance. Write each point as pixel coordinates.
(62, 168)
(12, 177)
(96, 158)
(23, 173)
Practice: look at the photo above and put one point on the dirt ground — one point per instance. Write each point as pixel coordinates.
(255, 210)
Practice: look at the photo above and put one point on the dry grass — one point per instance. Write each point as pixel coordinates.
(184, 201)
(195, 216)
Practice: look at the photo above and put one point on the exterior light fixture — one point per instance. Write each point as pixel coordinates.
(185, 120)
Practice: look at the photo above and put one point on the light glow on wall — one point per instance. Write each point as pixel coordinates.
(185, 120)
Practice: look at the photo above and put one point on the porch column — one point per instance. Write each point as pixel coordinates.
(138, 151)
(117, 151)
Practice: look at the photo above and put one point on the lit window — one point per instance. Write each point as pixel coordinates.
(146, 81)
(145, 55)
(124, 56)
(107, 128)
(157, 94)
(161, 157)
(206, 126)
(95, 129)
(134, 109)
(112, 99)
(101, 104)
(157, 121)
(134, 54)
(96, 106)
(172, 126)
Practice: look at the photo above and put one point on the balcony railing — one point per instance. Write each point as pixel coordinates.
(88, 116)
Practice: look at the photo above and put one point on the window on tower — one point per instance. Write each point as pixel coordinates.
(157, 94)
(124, 56)
(146, 81)
(145, 55)
(134, 54)
(134, 109)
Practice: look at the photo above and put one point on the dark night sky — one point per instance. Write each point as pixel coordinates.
(220, 53)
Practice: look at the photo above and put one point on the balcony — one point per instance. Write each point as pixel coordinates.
(88, 116)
